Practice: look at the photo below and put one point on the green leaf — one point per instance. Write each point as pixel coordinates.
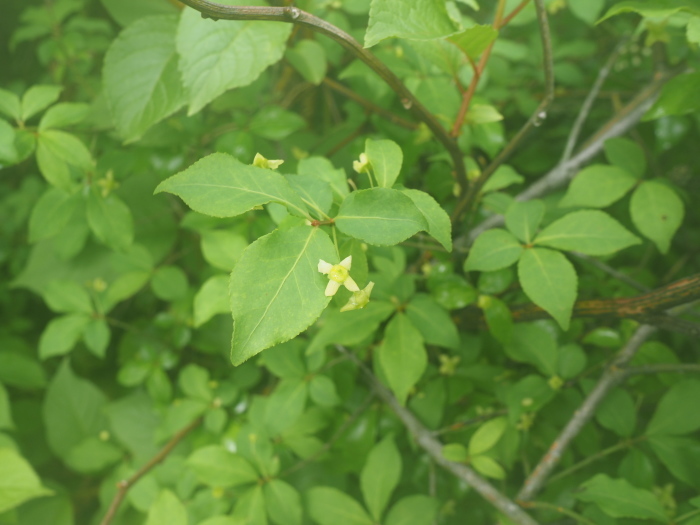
(592, 232)
(38, 98)
(498, 318)
(693, 30)
(655, 9)
(503, 177)
(221, 186)
(92, 455)
(588, 11)
(96, 336)
(275, 123)
(455, 452)
(572, 361)
(169, 283)
(19, 482)
(618, 413)
(316, 194)
(488, 467)
(550, 281)
(207, 49)
(680, 455)
(10, 104)
(285, 405)
(222, 248)
(386, 158)
(282, 502)
(277, 290)
(52, 214)
(73, 411)
(329, 506)
(63, 115)
(323, 392)
(626, 154)
(678, 97)
(619, 499)
(8, 150)
(127, 11)
(321, 168)
(167, 509)
(674, 415)
(493, 250)
(194, 382)
(61, 334)
(524, 218)
(380, 216)
(211, 299)
(110, 220)
(434, 323)
(380, 475)
(402, 355)
(412, 19)
(487, 435)
(308, 57)
(657, 212)
(217, 467)
(67, 297)
(475, 40)
(250, 507)
(413, 510)
(439, 225)
(285, 360)
(598, 186)
(62, 158)
(21, 371)
(533, 343)
(142, 83)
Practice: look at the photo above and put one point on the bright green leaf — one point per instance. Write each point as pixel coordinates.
(498, 318)
(439, 225)
(657, 212)
(475, 40)
(412, 19)
(619, 499)
(413, 510)
(678, 97)
(550, 281)
(493, 250)
(96, 337)
(503, 177)
(285, 405)
(323, 392)
(110, 220)
(63, 115)
(597, 186)
(386, 158)
(222, 249)
(434, 323)
(19, 482)
(402, 355)
(488, 467)
(588, 11)
(329, 506)
(217, 467)
(316, 193)
(523, 218)
(380, 216)
(487, 435)
(67, 297)
(592, 232)
(250, 507)
(211, 299)
(38, 98)
(282, 502)
(127, 11)
(167, 509)
(308, 57)
(380, 475)
(10, 104)
(61, 334)
(62, 158)
(655, 9)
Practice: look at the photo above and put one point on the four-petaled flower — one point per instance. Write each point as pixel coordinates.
(338, 274)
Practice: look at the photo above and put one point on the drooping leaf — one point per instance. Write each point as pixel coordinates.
(386, 158)
(208, 49)
(221, 186)
(493, 250)
(591, 232)
(657, 212)
(597, 186)
(329, 506)
(380, 475)
(380, 216)
(439, 225)
(19, 482)
(619, 499)
(413, 19)
(277, 290)
(217, 467)
(402, 355)
(550, 281)
(524, 218)
(141, 80)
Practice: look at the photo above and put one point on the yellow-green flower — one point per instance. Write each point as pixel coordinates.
(262, 162)
(359, 299)
(338, 274)
(362, 165)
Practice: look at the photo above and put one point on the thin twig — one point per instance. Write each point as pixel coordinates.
(557, 508)
(433, 447)
(124, 485)
(613, 375)
(294, 15)
(588, 103)
(460, 425)
(539, 115)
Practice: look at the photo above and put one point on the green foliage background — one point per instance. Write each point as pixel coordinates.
(135, 223)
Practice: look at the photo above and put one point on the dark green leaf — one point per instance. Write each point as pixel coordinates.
(493, 250)
(402, 355)
(657, 212)
(434, 323)
(380, 475)
(619, 499)
(533, 343)
(598, 186)
(674, 415)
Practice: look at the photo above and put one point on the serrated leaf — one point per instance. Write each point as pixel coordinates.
(167, 508)
(534, 344)
(19, 482)
(277, 290)
(221, 186)
(329, 506)
(475, 40)
(142, 83)
(380, 475)
(208, 50)
(380, 216)
(524, 218)
(386, 158)
(591, 232)
(211, 299)
(110, 220)
(62, 158)
(550, 281)
(597, 186)
(674, 415)
(412, 19)
(619, 499)
(217, 467)
(493, 250)
(487, 435)
(402, 355)
(657, 212)
(308, 57)
(439, 225)
(282, 502)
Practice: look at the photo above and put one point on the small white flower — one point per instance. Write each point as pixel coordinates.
(359, 299)
(338, 274)
(262, 162)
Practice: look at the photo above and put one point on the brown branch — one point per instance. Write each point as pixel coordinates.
(433, 447)
(538, 116)
(124, 485)
(613, 375)
(294, 15)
